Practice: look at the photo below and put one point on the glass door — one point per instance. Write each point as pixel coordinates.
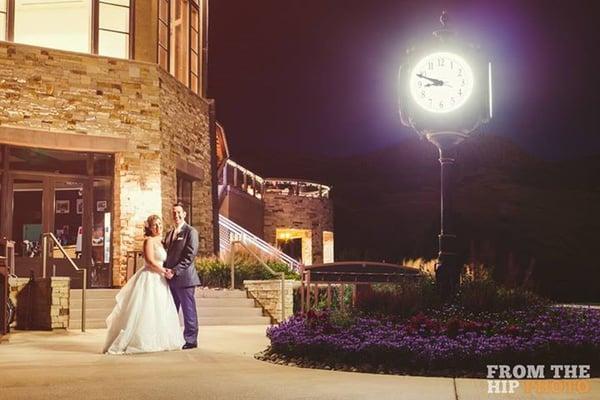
(27, 203)
(70, 224)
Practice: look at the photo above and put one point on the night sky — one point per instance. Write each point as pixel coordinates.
(319, 76)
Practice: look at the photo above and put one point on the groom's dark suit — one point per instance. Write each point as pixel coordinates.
(181, 253)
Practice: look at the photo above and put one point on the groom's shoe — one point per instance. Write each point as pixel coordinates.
(189, 346)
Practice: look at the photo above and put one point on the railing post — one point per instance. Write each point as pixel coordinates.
(83, 289)
(302, 289)
(307, 291)
(44, 255)
(282, 296)
(232, 264)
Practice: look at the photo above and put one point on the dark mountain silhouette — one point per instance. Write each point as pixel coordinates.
(513, 211)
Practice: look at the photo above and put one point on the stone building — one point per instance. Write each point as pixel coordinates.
(295, 216)
(104, 120)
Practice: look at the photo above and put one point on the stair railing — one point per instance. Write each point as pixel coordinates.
(229, 232)
(269, 269)
(45, 251)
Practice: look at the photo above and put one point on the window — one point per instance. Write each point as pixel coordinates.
(194, 48)
(70, 29)
(2, 19)
(184, 194)
(163, 34)
(113, 28)
(180, 40)
(87, 26)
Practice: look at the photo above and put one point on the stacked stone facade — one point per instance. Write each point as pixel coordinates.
(161, 123)
(42, 303)
(188, 144)
(298, 212)
(268, 295)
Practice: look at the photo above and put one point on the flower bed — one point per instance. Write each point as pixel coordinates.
(441, 343)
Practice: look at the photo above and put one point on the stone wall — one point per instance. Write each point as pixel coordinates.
(187, 144)
(162, 121)
(268, 294)
(42, 303)
(297, 212)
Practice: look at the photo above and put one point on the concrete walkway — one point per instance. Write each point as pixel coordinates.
(68, 365)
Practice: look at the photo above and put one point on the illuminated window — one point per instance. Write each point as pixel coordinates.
(2, 19)
(113, 28)
(69, 25)
(70, 29)
(163, 34)
(180, 40)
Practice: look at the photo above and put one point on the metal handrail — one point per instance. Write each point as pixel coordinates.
(9, 255)
(232, 264)
(45, 249)
(263, 246)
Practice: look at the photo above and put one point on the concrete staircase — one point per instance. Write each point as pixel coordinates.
(215, 307)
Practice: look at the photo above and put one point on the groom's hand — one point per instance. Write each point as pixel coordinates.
(168, 273)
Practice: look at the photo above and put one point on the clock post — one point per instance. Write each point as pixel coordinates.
(445, 95)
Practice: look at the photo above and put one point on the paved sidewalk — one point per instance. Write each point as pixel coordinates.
(68, 365)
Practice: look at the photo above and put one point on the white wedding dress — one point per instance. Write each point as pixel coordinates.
(144, 319)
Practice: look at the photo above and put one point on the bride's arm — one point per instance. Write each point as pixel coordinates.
(150, 260)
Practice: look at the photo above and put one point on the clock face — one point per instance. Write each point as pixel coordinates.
(441, 82)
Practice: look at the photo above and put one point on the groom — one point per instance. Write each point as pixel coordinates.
(182, 245)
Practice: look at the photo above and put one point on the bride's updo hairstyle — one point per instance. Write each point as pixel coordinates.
(149, 223)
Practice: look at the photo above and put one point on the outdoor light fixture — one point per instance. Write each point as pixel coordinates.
(445, 95)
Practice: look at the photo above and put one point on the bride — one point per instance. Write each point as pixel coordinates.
(145, 318)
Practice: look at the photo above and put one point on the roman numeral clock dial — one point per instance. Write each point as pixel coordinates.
(441, 82)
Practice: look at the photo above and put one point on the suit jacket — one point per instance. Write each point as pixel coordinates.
(181, 256)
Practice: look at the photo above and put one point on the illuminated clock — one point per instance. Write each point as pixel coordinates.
(441, 82)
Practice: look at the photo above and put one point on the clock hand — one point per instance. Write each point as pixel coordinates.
(435, 82)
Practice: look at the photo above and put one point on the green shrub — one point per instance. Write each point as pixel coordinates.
(403, 299)
(487, 296)
(214, 272)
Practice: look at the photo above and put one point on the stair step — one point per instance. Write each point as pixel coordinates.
(233, 312)
(200, 293)
(211, 321)
(225, 293)
(92, 303)
(201, 302)
(96, 323)
(94, 293)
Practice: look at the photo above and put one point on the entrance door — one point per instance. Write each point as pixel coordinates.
(70, 221)
(28, 223)
(43, 203)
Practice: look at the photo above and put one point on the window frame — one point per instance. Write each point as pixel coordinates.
(199, 7)
(182, 177)
(95, 25)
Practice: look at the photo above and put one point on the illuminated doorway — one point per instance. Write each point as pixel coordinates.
(328, 256)
(297, 243)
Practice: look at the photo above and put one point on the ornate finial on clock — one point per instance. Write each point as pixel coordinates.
(444, 32)
(444, 19)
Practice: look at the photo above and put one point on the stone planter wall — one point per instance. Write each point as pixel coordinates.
(42, 304)
(268, 294)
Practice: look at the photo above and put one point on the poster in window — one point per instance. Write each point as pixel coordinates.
(101, 205)
(63, 206)
(79, 206)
